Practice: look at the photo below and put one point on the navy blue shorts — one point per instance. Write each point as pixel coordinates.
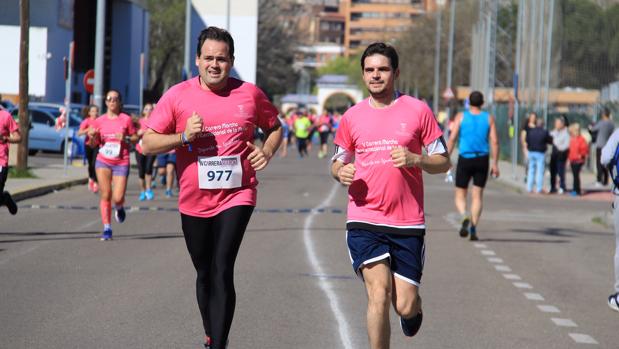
(406, 254)
(165, 159)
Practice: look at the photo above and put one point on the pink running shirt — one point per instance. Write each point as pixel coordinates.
(382, 194)
(229, 120)
(85, 124)
(108, 128)
(7, 126)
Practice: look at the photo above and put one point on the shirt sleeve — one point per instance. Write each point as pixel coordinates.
(162, 119)
(343, 139)
(13, 126)
(430, 131)
(608, 152)
(265, 110)
(130, 126)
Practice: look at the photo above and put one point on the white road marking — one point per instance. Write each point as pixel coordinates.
(548, 309)
(495, 260)
(563, 322)
(17, 252)
(488, 253)
(502, 268)
(325, 285)
(534, 296)
(512, 276)
(523, 285)
(583, 338)
(88, 225)
(478, 245)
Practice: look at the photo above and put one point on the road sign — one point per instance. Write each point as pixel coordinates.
(448, 93)
(89, 81)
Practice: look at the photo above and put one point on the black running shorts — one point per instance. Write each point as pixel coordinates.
(476, 167)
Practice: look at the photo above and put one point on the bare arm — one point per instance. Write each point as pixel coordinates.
(273, 140)
(455, 132)
(494, 147)
(433, 164)
(158, 143)
(13, 137)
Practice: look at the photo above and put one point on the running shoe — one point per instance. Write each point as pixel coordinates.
(107, 235)
(613, 301)
(142, 196)
(411, 326)
(168, 193)
(473, 233)
(150, 195)
(120, 215)
(10, 203)
(464, 229)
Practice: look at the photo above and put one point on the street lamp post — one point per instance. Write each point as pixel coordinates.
(437, 54)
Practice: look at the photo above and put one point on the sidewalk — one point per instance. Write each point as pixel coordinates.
(49, 178)
(515, 179)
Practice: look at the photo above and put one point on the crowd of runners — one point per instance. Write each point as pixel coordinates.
(200, 136)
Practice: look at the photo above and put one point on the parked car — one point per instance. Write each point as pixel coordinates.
(43, 134)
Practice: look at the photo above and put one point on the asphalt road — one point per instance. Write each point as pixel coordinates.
(538, 278)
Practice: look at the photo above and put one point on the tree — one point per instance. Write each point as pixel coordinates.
(349, 66)
(277, 42)
(24, 122)
(167, 30)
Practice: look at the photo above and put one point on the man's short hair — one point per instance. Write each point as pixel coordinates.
(217, 34)
(381, 48)
(476, 99)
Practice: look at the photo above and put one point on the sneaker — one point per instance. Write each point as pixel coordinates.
(598, 185)
(573, 193)
(561, 191)
(464, 229)
(473, 233)
(142, 196)
(107, 235)
(411, 326)
(120, 215)
(168, 193)
(613, 301)
(10, 203)
(150, 195)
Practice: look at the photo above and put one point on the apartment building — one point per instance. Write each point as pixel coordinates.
(368, 21)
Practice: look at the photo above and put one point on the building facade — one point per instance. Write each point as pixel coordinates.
(53, 25)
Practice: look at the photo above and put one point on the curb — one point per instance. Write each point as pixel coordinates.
(45, 189)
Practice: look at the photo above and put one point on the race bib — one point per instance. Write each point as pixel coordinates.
(220, 172)
(110, 150)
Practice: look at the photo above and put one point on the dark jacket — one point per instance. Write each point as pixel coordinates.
(537, 139)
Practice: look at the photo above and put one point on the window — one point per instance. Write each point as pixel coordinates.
(40, 117)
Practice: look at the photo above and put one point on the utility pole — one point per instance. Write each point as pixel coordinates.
(99, 40)
(437, 55)
(186, 67)
(452, 19)
(24, 120)
(548, 59)
(516, 118)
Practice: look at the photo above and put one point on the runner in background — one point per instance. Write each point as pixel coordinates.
(144, 162)
(90, 113)
(9, 133)
(112, 132)
(476, 131)
(302, 132)
(324, 125)
(210, 121)
(166, 167)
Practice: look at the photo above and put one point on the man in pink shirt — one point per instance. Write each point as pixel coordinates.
(378, 156)
(9, 133)
(210, 121)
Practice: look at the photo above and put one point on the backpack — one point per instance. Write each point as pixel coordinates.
(613, 168)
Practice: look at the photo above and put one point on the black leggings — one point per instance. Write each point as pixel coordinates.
(302, 146)
(145, 164)
(213, 244)
(576, 172)
(91, 156)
